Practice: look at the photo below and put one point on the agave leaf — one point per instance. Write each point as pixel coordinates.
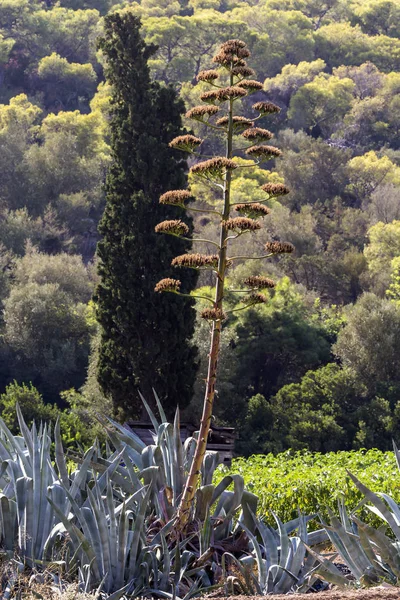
(206, 533)
(159, 406)
(393, 505)
(238, 489)
(285, 557)
(133, 476)
(344, 517)
(13, 442)
(249, 510)
(166, 563)
(5, 454)
(122, 548)
(119, 593)
(178, 456)
(261, 566)
(327, 570)
(189, 448)
(318, 537)
(242, 570)
(378, 503)
(396, 454)
(299, 549)
(92, 534)
(77, 537)
(270, 544)
(138, 531)
(60, 456)
(80, 476)
(353, 552)
(152, 416)
(204, 497)
(387, 550)
(292, 525)
(8, 517)
(104, 535)
(208, 467)
(24, 430)
(370, 552)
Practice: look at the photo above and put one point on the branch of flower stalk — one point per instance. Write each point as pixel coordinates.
(253, 201)
(204, 210)
(194, 296)
(228, 312)
(181, 237)
(234, 237)
(251, 257)
(208, 179)
(208, 124)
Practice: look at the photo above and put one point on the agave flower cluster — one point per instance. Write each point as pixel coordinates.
(230, 82)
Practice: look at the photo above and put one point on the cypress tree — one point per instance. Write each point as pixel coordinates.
(145, 339)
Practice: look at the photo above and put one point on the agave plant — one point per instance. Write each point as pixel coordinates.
(284, 563)
(27, 473)
(370, 554)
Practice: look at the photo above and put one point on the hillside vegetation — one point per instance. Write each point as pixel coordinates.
(318, 366)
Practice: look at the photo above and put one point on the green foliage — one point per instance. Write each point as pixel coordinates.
(145, 337)
(78, 428)
(383, 248)
(311, 482)
(30, 402)
(276, 343)
(333, 68)
(46, 322)
(370, 336)
(64, 83)
(319, 105)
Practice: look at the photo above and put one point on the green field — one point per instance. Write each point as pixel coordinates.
(311, 482)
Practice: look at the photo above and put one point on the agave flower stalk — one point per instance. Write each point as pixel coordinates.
(230, 85)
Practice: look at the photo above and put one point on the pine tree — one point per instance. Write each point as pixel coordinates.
(145, 338)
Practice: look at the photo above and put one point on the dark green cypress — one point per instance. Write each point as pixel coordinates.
(145, 337)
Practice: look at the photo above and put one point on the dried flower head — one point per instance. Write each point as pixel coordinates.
(255, 298)
(241, 224)
(233, 45)
(265, 108)
(242, 71)
(174, 227)
(168, 285)
(230, 93)
(209, 75)
(263, 152)
(213, 314)
(228, 60)
(275, 189)
(214, 167)
(253, 210)
(185, 142)
(243, 53)
(258, 282)
(251, 85)
(279, 247)
(199, 112)
(176, 197)
(256, 133)
(238, 122)
(196, 261)
(209, 97)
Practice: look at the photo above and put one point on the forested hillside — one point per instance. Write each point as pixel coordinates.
(319, 365)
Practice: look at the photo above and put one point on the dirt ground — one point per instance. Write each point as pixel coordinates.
(378, 593)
